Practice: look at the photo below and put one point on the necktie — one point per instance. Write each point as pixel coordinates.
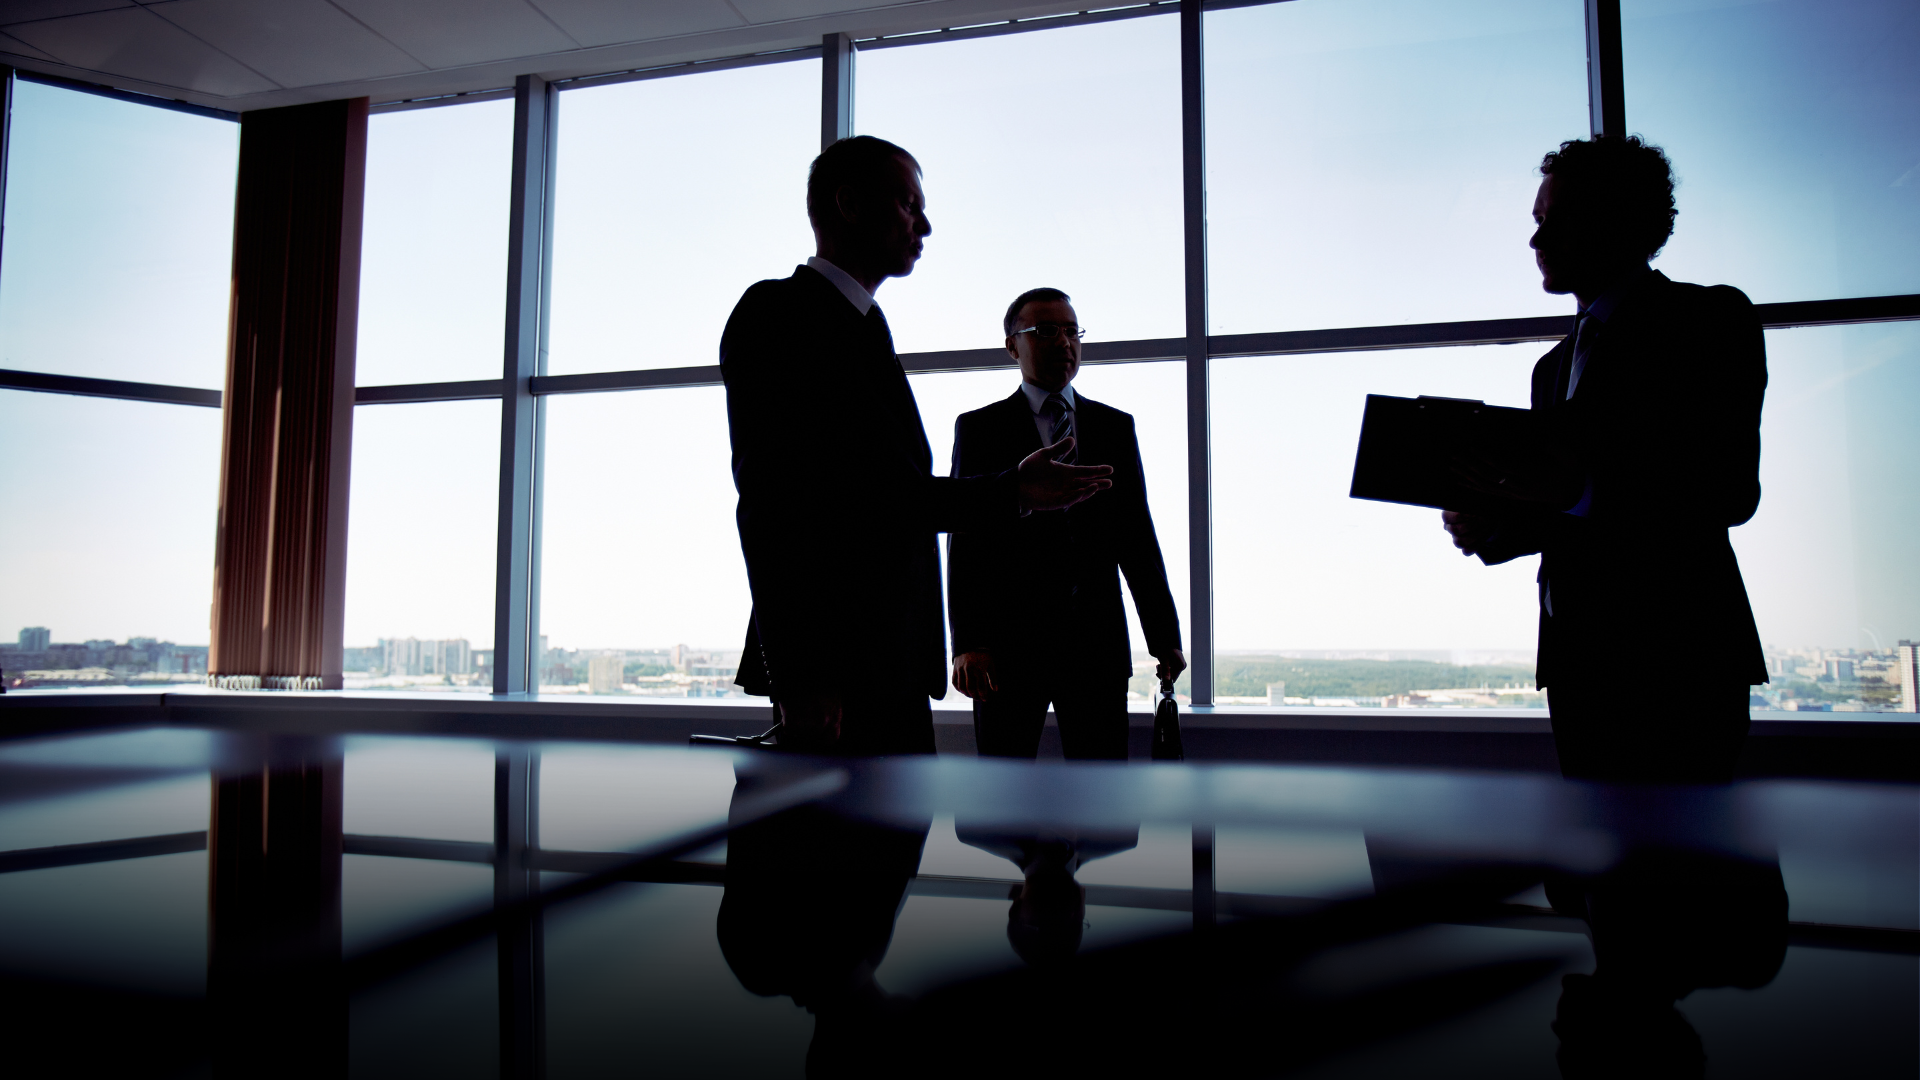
(1055, 408)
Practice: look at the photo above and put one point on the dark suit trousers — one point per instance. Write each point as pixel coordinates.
(875, 720)
(1599, 737)
(1092, 710)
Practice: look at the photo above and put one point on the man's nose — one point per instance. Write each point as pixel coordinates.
(923, 226)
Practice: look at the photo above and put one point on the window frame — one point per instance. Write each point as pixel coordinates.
(524, 384)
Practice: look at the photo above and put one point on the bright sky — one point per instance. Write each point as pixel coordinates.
(1370, 161)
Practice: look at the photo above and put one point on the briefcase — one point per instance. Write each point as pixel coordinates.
(1166, 727)
(1407, 446)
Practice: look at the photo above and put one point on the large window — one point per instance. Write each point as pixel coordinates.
(118, 240)
(1051, 158)
(1370, 161)
(1326, 600)
(642, 589)
(673, 196)
(421, 536)
(433, 265)
(1795, 129)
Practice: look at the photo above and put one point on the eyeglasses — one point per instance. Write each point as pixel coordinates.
(1047, 331)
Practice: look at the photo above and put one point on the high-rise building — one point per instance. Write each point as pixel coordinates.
(1839, 669)
(35, 639)
(1909, 658)
(604, 674)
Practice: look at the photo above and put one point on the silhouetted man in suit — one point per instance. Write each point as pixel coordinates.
(1036, 610)
(1650, 409)
(839, 509)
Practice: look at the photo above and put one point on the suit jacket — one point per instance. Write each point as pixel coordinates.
(838, 505)
(1048, 589)
(1665, 426)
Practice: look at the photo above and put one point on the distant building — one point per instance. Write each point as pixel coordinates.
(1839, 669)
(411, 656)
(605, 674)
(35, 639)
(1909, 661)
(1276, 693)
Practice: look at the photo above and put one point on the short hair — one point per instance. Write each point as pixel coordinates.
(1041, 295)
(856, 162)
(1630, 180)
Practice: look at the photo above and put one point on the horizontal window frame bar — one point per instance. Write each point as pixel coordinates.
(138, 847)
(131, 96)
(970, 31)
(414, 393)
(413, 847)
(1847, 311)
(688, 67)
(85, 386)
(464, 97)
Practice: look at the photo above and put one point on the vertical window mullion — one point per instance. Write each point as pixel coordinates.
(1193, 143)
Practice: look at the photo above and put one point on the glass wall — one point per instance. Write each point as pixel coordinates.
(433, 265)
(1371, 161)
(1051, 158)
(674, 195)
(1795, 130)
(422, 529)
(642, 588)
(106, 542)
(119, 239)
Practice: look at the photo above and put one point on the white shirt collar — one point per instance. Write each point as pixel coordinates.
(849, 288)
(1037, 397)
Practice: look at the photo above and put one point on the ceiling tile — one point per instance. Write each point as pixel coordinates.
(763, 11)
(294, 42)
(136, 44)
(13, 11)
(609, 22)
(448, 33)
(14, 45)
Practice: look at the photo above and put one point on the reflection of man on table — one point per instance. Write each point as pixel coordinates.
(1049, 909)
(1035, 609)
(1651, 413)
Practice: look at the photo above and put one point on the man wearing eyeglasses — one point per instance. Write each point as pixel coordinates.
(1035, 610)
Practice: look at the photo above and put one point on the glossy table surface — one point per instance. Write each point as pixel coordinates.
(177, 901)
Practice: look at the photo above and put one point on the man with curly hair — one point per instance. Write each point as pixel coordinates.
(1650, 412)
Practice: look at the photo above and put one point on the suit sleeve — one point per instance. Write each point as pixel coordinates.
(1142, 562)
(971, 559)
(793, 473)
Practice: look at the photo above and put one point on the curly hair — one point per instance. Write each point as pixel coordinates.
(1631, 180)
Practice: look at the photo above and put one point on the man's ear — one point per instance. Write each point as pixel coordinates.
(1012, 349)
(846, 200)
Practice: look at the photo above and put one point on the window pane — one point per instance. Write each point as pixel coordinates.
(642, 587)
(1371, 161)
(422, 529)
(1082, 194)
(1795, 130)
(433, 271)
(1828, 559)
(1156, 395)
(673, 196)
(1336, 585)
(119, 239)
(82, 472)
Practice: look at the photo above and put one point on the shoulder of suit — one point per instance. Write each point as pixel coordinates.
(984, 412)
(1085, 404)
(1686, 300)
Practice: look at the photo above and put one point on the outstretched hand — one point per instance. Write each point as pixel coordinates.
(1046, 484)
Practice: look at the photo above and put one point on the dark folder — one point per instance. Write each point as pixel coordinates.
(1408, 447)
